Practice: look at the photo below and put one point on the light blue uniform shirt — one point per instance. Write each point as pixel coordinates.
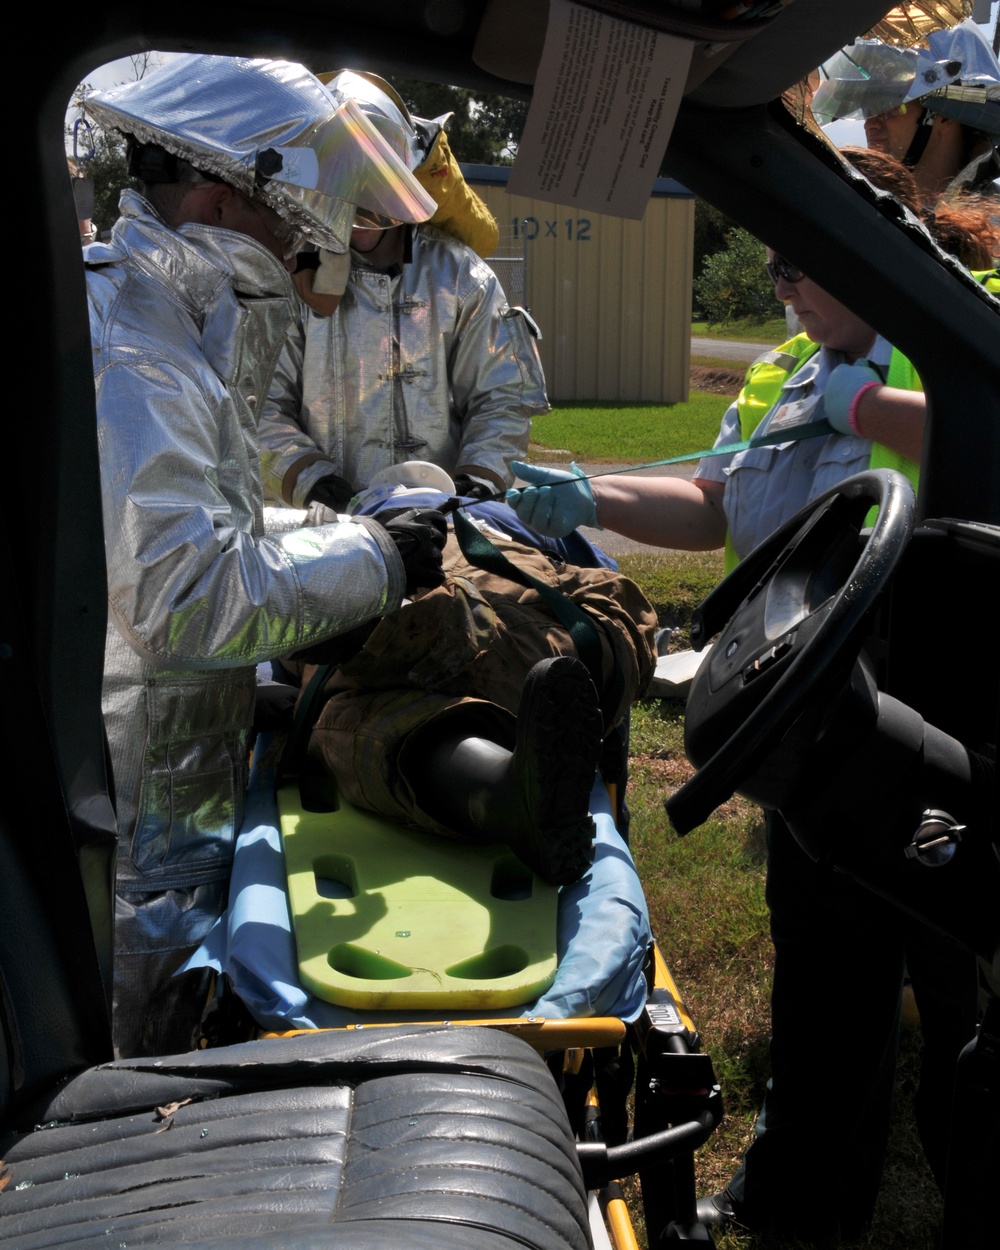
(767, 485)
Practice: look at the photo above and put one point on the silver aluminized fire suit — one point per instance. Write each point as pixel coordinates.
(186, 326)
(428, 364)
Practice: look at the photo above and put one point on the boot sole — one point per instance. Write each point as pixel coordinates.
(559, 735)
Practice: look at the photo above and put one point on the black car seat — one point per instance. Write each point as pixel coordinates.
(382, 1137)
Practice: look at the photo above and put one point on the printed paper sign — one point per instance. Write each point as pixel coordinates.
(605, 101)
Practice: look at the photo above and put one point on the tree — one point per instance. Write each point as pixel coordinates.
(711, 232)
(733, 283)
(485, 129)
(108, 170)
(503, 120)
(106, 165)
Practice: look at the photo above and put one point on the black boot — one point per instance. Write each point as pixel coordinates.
(717, 1210)
(536, 798)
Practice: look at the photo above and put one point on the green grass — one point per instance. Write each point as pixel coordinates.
(767, 332)
(630, 433)
(706, 900)
(674, 585)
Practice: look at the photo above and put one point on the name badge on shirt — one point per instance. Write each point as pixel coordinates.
(795, 412)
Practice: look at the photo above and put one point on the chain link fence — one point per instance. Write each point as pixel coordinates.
(510, 264)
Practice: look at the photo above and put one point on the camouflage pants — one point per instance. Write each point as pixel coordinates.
(464, 651)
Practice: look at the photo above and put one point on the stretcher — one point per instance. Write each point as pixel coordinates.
(601, 932)
(608, 1007)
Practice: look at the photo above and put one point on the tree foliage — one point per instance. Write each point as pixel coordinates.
(106, 165)
(711, 232)
(108, 171)
(733, 283)
(485, 129)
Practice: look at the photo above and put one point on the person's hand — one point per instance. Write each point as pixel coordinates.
(419, 535)
(321, 279)
(468, 488)
(332, 273)
(844, 388)
(555, 502)
(331, 491)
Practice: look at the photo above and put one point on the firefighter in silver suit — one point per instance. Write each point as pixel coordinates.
(190, 302)
(423, 359)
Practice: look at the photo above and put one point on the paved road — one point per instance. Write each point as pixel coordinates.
(728, 349)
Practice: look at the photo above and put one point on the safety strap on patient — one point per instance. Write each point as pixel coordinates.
(479, 551)
(294, 758)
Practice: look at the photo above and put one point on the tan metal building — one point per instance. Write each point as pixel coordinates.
(612, 297)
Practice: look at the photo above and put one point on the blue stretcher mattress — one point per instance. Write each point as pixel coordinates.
(602, 937)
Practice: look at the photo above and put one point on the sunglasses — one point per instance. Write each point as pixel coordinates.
(780, 269)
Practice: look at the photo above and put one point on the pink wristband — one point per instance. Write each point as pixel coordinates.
(852, 412)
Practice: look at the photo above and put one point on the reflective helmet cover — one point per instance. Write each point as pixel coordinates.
(269, 129)
(870, 77)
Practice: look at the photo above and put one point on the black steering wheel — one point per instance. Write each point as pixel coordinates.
(796, 609)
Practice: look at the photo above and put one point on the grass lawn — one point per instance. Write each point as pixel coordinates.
(706, 901)
(627, 433)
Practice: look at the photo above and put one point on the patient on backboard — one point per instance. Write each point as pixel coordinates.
(470, 712)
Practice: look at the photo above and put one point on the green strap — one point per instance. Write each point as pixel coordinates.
(809, 429)
(307, 712)
(479, 551)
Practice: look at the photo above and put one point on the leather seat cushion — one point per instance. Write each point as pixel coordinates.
(329, 1139)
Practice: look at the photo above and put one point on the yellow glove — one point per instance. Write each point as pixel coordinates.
(461, 213)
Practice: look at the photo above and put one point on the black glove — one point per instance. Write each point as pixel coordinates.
(419, 535)
(332, 492)
(469, 489)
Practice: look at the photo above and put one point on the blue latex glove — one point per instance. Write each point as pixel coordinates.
(842, 385)
(556, 502)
